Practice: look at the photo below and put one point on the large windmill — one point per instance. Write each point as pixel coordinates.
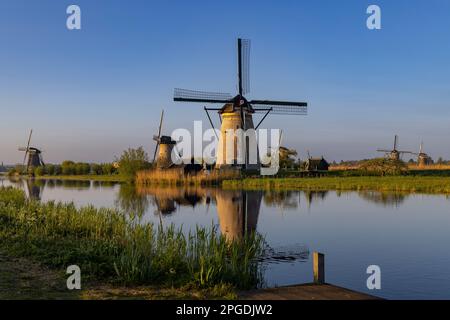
(394, 154)
(34, 156)
(165, 145)
(237, 112)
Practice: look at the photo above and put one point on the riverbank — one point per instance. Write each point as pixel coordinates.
(419, 184)
(115, 250)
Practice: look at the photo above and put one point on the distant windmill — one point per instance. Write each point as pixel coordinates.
(394, 154)
(34, 155)
(237, 112)
(165, 145)
(423, 159)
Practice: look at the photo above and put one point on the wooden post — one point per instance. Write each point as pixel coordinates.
(319, 267)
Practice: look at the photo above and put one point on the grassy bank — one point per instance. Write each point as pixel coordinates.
(421, 184)
(113, 248)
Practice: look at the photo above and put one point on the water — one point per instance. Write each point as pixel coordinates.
(407, 235)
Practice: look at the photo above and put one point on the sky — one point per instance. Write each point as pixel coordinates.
(89, 94)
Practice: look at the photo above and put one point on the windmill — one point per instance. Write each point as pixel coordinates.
(394, 154)
(34, 155)
(165, 145)
(423, 159)
(237, 112)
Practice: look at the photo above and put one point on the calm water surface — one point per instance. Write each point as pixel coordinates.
(407, 235)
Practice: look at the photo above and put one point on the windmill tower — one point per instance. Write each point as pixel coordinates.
(423, 159)
(237, 113)
(394, 154)
(165, 146)
(34, 156)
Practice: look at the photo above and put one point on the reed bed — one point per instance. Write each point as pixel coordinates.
(419, 184)
(109, 245)
(177, 177)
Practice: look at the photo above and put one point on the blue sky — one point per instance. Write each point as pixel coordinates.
(89, 94)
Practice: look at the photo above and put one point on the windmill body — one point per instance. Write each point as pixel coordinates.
(394, 154)
(423, 159)
(236, 115)
(34, 156)
(166, 145)
(164, 148)
(233, 154)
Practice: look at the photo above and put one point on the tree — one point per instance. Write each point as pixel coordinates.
(68, 167)
(133, 160)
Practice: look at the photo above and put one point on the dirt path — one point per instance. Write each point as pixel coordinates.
(23, 280)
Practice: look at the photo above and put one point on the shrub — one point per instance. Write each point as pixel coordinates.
(133, 160)
(384, 167)
(96, 169)
(39, 171)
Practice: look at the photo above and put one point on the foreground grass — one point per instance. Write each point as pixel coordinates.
(114, 249)
(420, 184)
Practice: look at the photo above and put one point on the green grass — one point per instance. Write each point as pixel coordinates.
(419, 184)
(112, 247)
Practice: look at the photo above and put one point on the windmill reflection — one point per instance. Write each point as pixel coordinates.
(34, 188)
(238, 212)
(166, 199)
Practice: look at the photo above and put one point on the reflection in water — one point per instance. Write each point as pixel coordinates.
(131, 201)
(283, 199)
(314, 196)
(167, 199)
(34, 188)
(383, 198)
(238, 212)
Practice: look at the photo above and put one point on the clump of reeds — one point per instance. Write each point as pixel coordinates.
(177, 177)
(107, 245)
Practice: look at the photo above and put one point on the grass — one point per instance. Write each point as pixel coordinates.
(419, 184)
(113, 248)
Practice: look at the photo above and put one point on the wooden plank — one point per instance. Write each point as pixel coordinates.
(306, 292)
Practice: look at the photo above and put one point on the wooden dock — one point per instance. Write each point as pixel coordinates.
(308, 291)
(318, 290)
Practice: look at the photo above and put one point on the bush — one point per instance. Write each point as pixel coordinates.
(96, 169)
(58, 170)
(384, 167)
(39, 171)
(108, 169)
(132, 161)
(50, 169)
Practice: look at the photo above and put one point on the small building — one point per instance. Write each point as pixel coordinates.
(316, 164)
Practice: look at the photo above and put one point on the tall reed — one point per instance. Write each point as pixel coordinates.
(177, 177)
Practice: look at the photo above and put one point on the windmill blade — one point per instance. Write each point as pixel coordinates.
(28, 146)
(405, 152)
(244, 66)
(280, 107)
(395, 142)
(159, 135)
(201, 96)
(382, 150)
